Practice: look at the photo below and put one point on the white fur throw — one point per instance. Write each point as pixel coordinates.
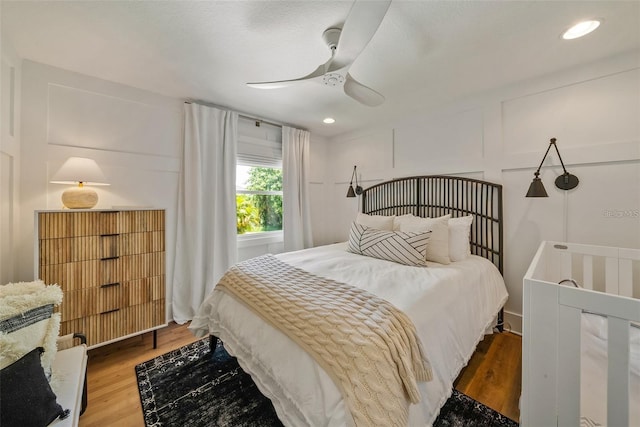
(26, 321)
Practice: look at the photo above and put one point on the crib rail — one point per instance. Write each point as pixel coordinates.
(600, 268)
(552, 323)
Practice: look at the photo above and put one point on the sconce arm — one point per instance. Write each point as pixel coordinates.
(352, 175)
(553, 142)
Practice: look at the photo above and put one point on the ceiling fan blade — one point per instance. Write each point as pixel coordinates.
(361, 24)
(361, 93)
(285, 83)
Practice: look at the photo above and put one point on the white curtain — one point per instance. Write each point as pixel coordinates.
(206, 230)
(296, 222)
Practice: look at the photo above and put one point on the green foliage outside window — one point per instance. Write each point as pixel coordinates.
(260, 212)
(248, 217)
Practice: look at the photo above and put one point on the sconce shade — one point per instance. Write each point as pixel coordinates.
(358, 190)
(536, 189)
(80, 171)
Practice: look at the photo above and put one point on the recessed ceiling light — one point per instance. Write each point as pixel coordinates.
(581, 29)
(329, 120)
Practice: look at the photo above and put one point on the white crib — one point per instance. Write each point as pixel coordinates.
(554, 325)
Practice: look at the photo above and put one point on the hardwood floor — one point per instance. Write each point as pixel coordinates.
(491, 377)
(111, 379)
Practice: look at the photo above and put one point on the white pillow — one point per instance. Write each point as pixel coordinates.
(379, 222)
(459, 237)
(438, 248)
(396, 246)
(399, 219)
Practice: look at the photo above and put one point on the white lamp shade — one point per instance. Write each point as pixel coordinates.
(79, 169)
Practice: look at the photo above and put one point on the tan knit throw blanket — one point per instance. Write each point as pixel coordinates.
(368, 347)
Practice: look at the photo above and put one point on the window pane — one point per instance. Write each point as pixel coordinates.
(266, 179)
(258, 212)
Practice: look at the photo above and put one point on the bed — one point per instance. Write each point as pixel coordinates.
(581, 340)
(452, 306)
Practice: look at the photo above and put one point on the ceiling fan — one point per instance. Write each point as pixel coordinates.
(346, 44)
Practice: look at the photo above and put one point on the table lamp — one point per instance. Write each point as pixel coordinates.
(81, 172)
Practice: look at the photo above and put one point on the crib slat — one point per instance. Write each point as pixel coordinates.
(587, 272)
(569, 320)
(626, 277)
(565, 265)
(611, 276)
(618, 372)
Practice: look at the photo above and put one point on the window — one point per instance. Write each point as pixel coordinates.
(259, 183)
(258, 199)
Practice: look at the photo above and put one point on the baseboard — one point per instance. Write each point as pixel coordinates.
(513, 322)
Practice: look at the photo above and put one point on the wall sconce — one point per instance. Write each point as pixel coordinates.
(566, 181)
(80, 171)
(358, 190)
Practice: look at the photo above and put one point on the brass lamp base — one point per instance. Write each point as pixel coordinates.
(79, 198)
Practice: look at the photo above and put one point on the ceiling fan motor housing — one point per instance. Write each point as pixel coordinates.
(333, 79)
(331, 37)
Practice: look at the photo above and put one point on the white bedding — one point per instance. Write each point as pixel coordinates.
(593, 371)
(451, 307)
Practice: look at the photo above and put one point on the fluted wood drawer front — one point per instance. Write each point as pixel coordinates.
(144, 290)
(84, 274)
(110, 297)
(141, 221)
(88, 302)
(140, 243)
(73, 275)
(142, 265)
(106, 222)
(110, 325)
(74, 249)
(110, 270)
(78, 303)
(55, 225)
(143, 316)
(109, 245)
(69, 249)
(97, 328)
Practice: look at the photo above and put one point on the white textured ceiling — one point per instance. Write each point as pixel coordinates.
(424, 54)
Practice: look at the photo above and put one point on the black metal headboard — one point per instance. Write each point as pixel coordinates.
(435, 195)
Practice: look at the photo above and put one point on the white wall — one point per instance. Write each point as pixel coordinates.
(10, 76)
(133, 135)
(593, 111)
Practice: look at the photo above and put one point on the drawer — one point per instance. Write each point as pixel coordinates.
(109, 246)
(141, 221)
(73, 276)
(77, 304)
(142, 265)
(144, 316)
(144, 290)
(140, 243)
(89, 302)
(69, 249)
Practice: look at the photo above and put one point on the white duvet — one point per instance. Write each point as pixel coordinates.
(451, 307)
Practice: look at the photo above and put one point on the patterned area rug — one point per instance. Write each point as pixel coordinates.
(191, 387)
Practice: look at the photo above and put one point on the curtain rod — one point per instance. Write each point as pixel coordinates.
(260, 121)
(255, 119)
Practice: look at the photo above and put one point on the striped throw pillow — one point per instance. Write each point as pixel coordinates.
(402, 247)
